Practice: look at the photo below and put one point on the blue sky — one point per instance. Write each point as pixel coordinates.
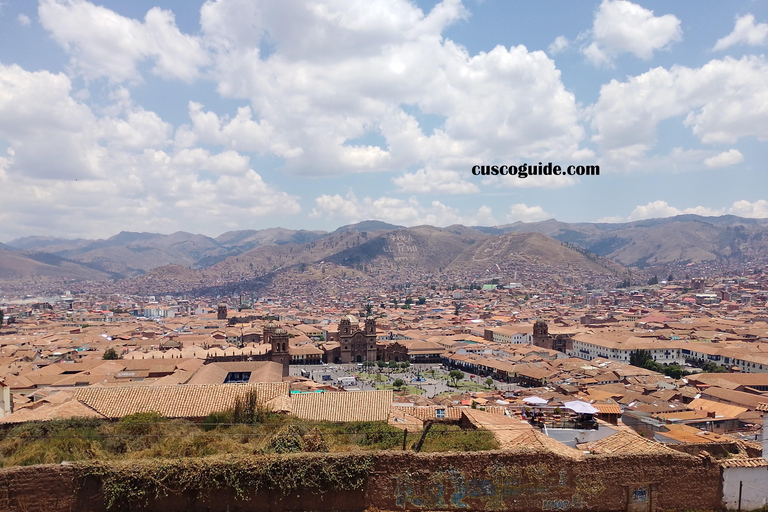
(246, 114)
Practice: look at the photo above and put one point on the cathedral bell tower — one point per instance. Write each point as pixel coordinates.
(278, 338)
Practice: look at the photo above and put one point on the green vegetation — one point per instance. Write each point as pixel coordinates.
(710, 367)
(111, 354)
(456, 376)
(375, 377)
(408, 390)
(247, 428)
(644, 359)
(130, 485)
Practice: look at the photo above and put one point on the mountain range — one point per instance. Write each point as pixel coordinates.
(371, 246)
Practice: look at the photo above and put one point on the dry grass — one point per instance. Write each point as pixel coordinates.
(150, 436)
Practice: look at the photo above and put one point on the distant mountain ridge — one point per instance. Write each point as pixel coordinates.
(374, 245)
(680, 239)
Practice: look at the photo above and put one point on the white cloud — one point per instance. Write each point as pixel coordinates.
(758, 209)
(726, 158)
(654, 210)
(51, 134)
(744, 32)
(621, 26)
(615, 219)
(340, 71)
(408, 212)
(558, 45)
(524, 213)
(721, 102)
(661, 209)
(432, 181)
(105, 44)
(240, 133)
(23, 20)
(76, 171)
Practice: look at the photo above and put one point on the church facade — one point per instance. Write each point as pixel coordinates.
(357, 345)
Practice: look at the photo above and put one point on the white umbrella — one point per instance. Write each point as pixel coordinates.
(580, 407)
(534, 400)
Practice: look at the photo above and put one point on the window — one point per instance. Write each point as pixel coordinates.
(237, 377)
(440, 414)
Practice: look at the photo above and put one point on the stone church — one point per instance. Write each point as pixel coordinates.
(357, 345)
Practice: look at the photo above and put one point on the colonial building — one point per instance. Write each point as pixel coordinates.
(561, 342)
(279, 352)
(357, 345)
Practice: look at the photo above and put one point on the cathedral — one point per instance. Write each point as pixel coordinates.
(357, 345)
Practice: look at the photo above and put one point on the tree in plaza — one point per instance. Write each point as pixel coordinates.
(405, 365)
(111, 354)
(640, 358)
(399, 383)
(489, 382)
(456, 376)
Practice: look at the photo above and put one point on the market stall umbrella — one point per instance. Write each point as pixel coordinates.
(534, 400)
(580, 407)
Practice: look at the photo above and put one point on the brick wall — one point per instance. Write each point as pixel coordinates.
(502, 480)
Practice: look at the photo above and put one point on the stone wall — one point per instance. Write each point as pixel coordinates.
(501, 480)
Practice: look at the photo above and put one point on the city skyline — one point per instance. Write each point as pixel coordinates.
(160, 116)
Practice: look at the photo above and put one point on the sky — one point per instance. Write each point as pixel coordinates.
(207, 117)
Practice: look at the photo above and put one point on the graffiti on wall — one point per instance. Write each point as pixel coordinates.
(499, 489)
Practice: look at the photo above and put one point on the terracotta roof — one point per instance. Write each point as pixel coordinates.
(343, 406)
(626, 442)
(607, 408)
(429, 412)
(188, 401)
(513, 433)
(749, 400)
(762, 406)
(50, 411)
(687, 434)
(216, 373)
(756, 462)
(719, 408)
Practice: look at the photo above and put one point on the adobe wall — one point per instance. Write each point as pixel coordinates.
(526, 480)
